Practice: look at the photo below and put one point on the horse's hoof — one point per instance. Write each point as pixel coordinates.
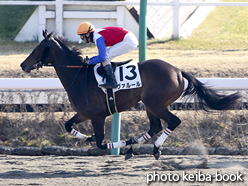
(128, 156)
(156, 152)
(134, 140)
(91, 139)
(157, 155)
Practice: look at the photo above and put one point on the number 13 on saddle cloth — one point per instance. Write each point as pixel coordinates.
(127, 76)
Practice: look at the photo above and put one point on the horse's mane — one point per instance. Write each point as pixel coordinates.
(73, 52)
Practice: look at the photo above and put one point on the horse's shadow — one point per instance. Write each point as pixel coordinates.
(23, 174)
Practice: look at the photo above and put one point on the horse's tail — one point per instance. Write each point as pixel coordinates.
(208, 98)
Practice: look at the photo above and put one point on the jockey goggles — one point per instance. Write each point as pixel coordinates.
(82, 37)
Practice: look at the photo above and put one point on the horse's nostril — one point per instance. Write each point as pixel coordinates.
(23, 65)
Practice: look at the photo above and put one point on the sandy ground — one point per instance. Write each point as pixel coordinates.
(114, 170)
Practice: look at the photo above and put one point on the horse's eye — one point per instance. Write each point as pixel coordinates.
(39, 47)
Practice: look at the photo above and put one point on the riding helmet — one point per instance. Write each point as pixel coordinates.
(85, 27)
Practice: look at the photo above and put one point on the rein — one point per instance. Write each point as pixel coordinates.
(45, 55)
(75, 77)
(65, 66)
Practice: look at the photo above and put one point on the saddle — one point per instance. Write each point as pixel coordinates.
(102, 72)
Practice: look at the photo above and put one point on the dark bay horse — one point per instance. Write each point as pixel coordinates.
(162, 84)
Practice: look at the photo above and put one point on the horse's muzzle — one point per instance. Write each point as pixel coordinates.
(26, 68)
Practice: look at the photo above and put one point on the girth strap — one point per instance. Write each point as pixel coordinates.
(110, 96)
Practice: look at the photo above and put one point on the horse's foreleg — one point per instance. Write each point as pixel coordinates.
(80, 135)
(76, 119)
(98, 125)
(121, 144)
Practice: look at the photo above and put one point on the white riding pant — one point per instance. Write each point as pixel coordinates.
(128, 44)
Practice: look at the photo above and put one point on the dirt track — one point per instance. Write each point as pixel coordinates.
(114, 170)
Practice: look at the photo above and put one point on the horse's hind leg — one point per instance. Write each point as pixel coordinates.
(172, 121)
(155, 127)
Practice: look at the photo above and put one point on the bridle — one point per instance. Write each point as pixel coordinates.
(40, 63)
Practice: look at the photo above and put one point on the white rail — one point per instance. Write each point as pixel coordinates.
(54, 83)
(38, 90)
(30, 83)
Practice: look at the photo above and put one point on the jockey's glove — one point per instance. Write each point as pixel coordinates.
(86, 60)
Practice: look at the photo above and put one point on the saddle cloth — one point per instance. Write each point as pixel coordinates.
(127, 76)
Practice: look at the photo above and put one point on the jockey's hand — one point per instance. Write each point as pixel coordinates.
(86, 60)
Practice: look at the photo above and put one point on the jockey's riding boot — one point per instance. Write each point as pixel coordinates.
(110, 77)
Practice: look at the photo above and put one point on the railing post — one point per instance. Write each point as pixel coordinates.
(42, 21)
(120, 16)
(59, 17)
(176, 19)
(115, 132)
(142, 30)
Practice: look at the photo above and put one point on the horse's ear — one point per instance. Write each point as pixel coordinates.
(45, 32)
(49, 36)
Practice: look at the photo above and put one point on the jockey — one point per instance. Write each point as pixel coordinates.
(119, 41)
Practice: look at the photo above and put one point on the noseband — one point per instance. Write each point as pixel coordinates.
(40, 63)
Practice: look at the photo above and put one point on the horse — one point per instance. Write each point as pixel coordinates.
(162, 84)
